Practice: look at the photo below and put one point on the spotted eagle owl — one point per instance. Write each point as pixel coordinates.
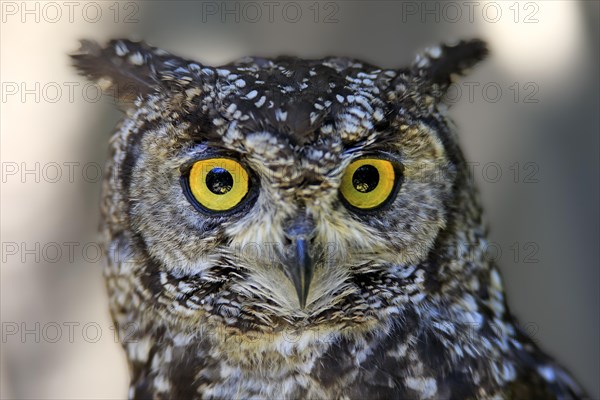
(292, 228)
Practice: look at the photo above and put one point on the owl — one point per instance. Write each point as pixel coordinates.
(292, 228)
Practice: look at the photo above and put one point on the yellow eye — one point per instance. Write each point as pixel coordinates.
(368, 182)
(218, 184)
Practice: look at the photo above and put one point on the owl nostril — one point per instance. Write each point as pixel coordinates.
(288, 241)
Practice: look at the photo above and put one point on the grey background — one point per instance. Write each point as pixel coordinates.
(554, 219)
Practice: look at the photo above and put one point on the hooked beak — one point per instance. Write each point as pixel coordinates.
(300, 269)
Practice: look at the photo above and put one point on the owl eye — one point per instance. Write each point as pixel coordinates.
(216, 184)
(369, 183)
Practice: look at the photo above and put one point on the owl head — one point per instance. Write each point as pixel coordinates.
(273, 192)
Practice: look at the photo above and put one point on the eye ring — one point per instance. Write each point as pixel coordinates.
(217, 185)
(370, 183)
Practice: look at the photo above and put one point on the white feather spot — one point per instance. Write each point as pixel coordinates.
(313, 117)
(280, 115)
(378, 114)
(161, 384)
(136, 59)
(427, 387)
(121, 49)
(547, 373)
(435, 52)
(260, 102)
(495, 280)
(232, 107)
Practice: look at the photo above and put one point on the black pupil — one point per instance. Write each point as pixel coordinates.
(219, 180)
(365, 178)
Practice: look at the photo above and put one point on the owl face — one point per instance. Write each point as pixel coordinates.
(281, 192)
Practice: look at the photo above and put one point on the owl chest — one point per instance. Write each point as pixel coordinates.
(182, 367)
(196, 369)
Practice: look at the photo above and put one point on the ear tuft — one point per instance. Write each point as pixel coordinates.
(441, 65)
(123, 68)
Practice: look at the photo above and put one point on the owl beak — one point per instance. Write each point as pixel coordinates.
(300, 269)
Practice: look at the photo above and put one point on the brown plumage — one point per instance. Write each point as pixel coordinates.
(297, 289)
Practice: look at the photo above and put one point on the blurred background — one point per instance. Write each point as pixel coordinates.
(528, 122)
